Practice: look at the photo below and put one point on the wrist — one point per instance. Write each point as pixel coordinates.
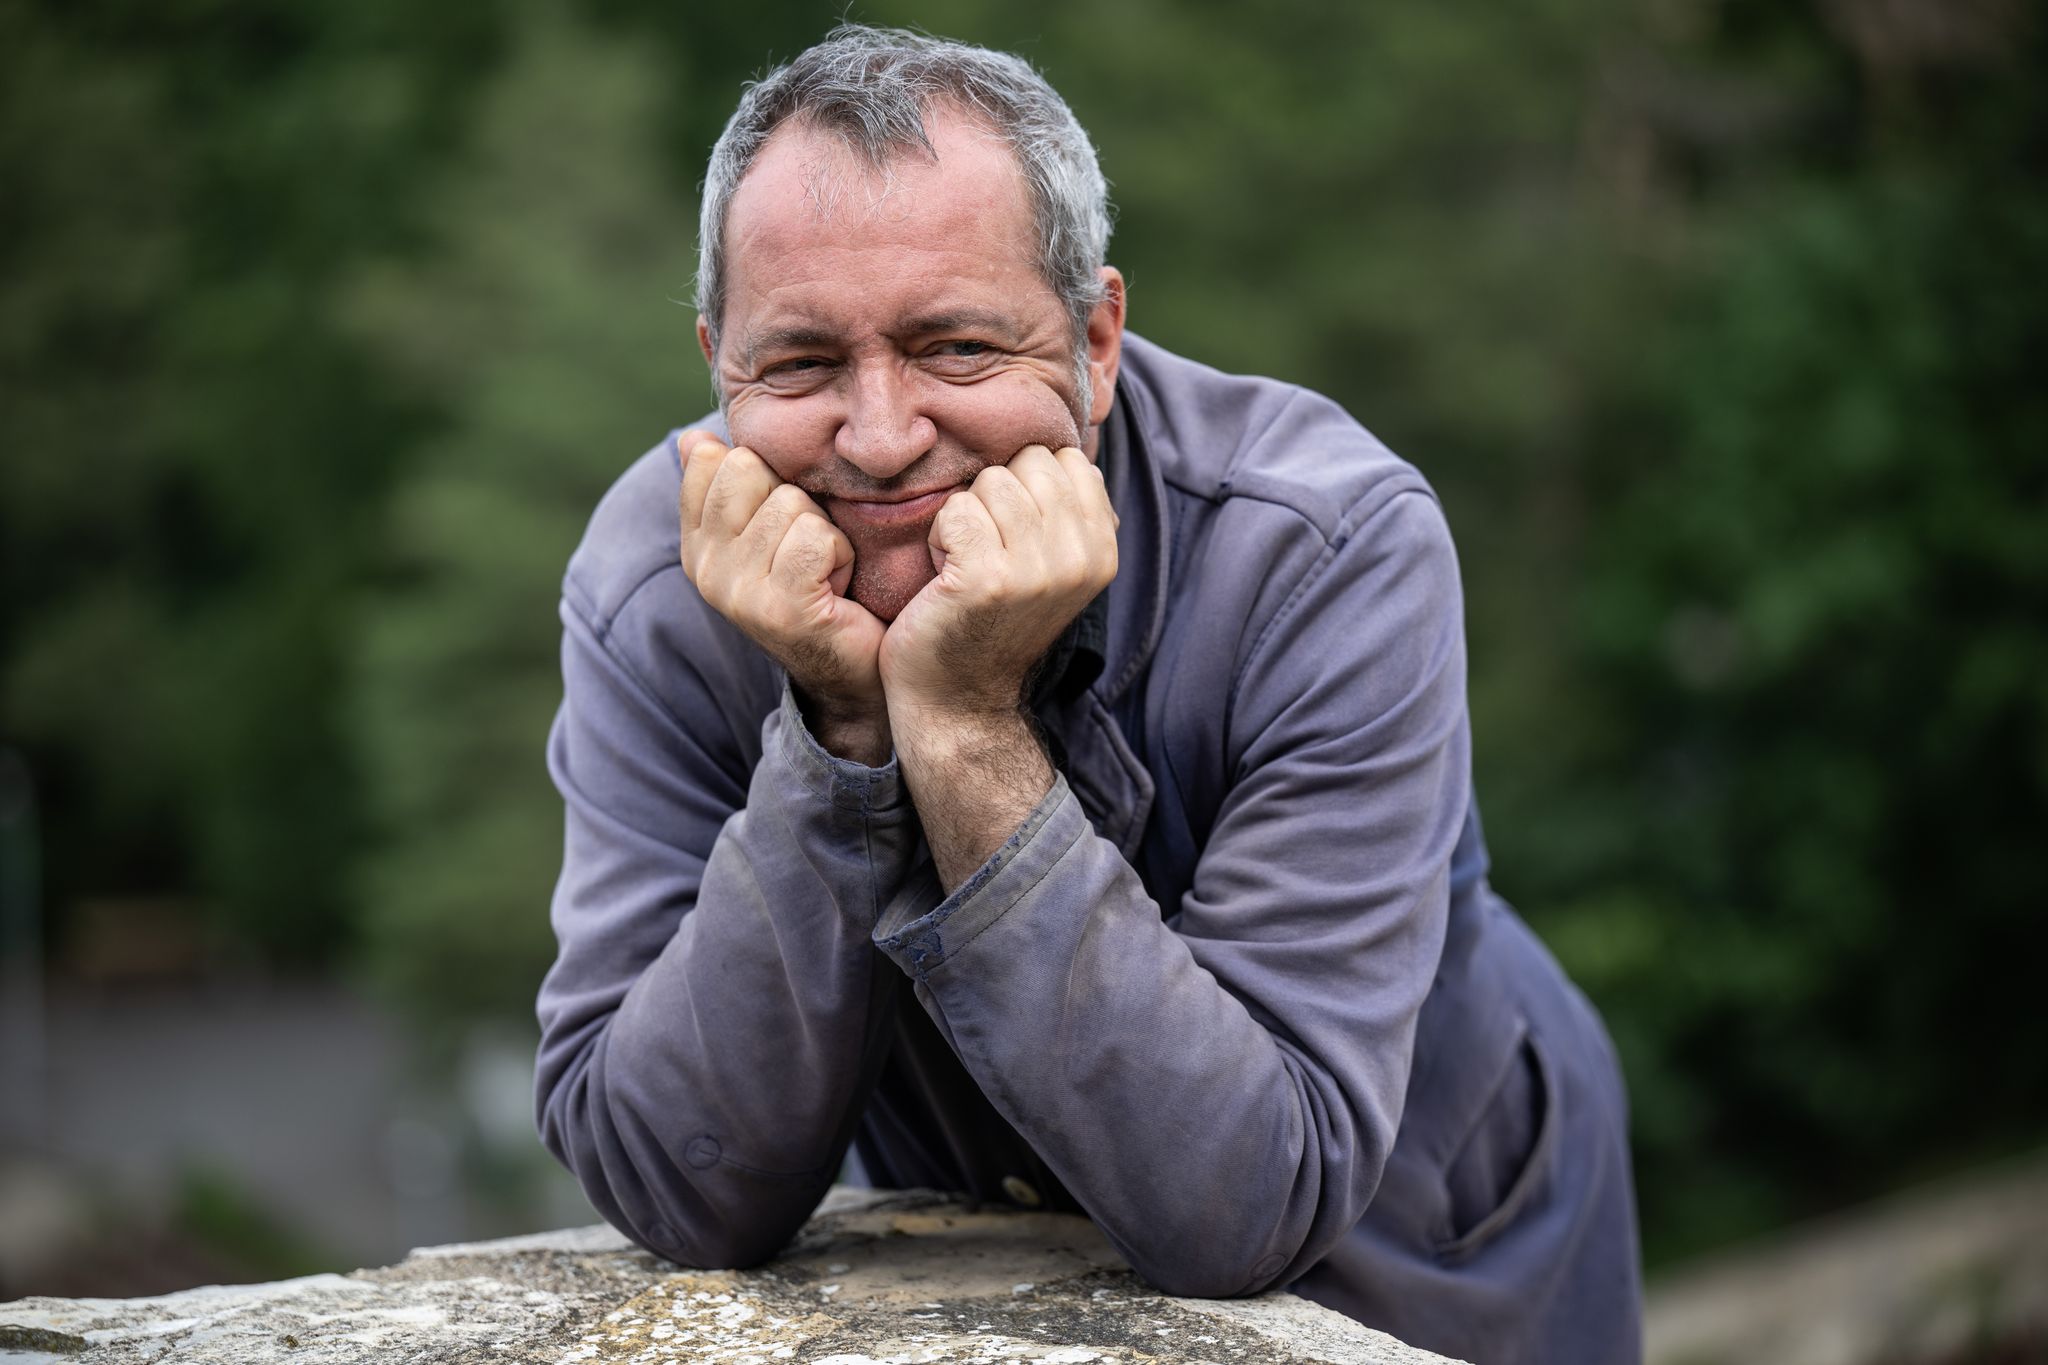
(855, 730)
(974, 774)
(991, 744)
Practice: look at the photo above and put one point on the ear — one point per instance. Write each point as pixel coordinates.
(704, 345)
(1105, 345)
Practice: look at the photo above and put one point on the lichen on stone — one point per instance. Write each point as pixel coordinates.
(879, 1279)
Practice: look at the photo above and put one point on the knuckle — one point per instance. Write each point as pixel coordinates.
(718, 496)
(812, 525)
(808, 559)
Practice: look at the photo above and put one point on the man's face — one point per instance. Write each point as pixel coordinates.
(887, 336)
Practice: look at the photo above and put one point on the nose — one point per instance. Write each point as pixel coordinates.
(883, 432)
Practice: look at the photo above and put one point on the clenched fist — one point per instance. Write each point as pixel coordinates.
(764, 556)
(1019, 553)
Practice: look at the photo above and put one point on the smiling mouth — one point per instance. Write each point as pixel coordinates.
(886, 514)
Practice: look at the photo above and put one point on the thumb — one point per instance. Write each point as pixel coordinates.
(963, 531)
(842, 569)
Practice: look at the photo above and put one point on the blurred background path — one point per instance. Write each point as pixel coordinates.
(248, 1127)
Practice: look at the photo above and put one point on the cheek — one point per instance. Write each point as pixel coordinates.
(994, 419)
(790, 435)
(1003, 414)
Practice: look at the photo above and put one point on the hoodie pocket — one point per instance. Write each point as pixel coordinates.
(1504, 1162)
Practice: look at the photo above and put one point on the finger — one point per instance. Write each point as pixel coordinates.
(811, 553)
(1101, 478)
(1097, 513)
(700, 453)
(1011, 506)
(762, 539)
(1090, 488)
(742, 483)
(1050, 483)
(964, 530)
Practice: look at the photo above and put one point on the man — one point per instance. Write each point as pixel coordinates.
(1040, 762)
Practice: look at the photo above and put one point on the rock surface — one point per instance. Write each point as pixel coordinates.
(873, 1279)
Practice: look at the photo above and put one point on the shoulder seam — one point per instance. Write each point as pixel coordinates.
(1225, 489)
(1406, 480)
(1368, 504)
(599, 621)
(1333, 545)
(600, 634)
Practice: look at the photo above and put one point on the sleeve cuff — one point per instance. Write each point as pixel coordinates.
(846, 784)
(920, 943)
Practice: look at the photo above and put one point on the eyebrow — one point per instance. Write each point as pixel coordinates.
(1000, 324)
(799, 337)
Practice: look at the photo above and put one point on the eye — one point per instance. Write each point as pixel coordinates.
(798, 374)
(961, 356)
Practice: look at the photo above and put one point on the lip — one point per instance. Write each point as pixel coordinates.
(917, 510)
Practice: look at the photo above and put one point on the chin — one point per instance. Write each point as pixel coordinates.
(885, 603)
(886, 575)
(886, 594)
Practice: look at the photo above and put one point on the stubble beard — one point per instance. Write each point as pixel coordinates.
(887, 574)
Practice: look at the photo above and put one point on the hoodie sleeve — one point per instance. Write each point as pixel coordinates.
(715, 1014)
(1219, 1082)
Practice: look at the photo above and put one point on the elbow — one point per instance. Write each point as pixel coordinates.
(704, 1245)
(1237, 1247)
(1206, 1261)
(721, 1218)
(1209, 1277)
(1271, 1231)
(697, 1225)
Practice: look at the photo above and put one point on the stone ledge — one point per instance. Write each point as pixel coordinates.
(875, 1278)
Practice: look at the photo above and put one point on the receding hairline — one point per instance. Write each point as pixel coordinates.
(942, 113)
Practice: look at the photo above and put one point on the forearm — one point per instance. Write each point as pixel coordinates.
(1213, 1154)
(975, 776)
(1221, 1088)
(1019, 555)
(708, 1111)
(858, 734)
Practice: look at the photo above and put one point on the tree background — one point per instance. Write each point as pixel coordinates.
(1717, 323)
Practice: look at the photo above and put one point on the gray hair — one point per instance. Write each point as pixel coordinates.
(872, 88)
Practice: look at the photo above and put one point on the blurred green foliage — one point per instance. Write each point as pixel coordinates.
(1718, 323)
